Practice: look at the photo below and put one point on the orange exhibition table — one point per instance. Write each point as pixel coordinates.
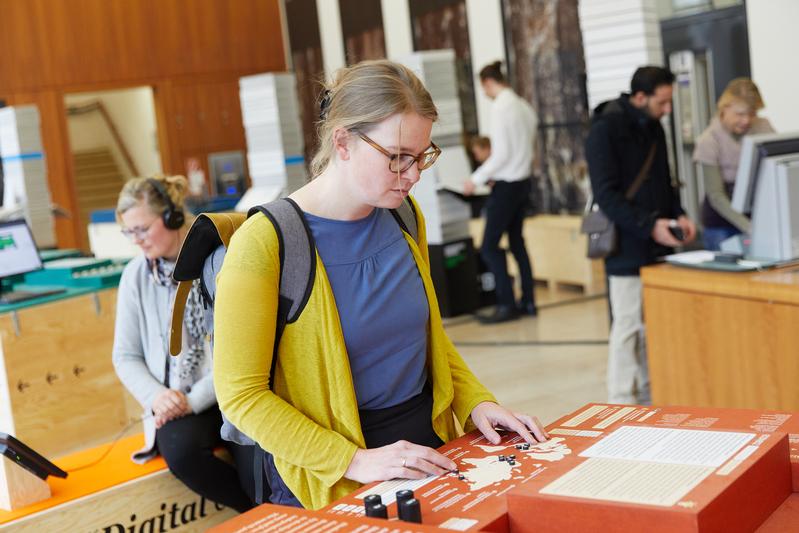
(739, 475)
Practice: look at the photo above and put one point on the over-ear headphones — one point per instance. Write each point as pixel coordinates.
(172, 216)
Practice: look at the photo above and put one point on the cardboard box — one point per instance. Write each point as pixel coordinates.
(268, 517)
(621, 472)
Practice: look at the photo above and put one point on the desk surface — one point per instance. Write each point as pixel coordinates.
(113, 470)
(778, 285)
(69, 292)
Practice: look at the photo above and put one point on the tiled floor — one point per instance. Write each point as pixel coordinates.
(547, 366)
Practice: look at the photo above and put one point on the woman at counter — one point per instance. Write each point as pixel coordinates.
(717, 151)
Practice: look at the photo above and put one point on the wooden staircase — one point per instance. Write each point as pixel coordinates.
(97, 182)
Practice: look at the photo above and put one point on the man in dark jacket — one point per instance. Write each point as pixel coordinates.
(623, 132)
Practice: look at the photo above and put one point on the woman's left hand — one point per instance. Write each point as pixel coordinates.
(489, 415)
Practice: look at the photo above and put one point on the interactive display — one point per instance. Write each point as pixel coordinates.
(18, 253)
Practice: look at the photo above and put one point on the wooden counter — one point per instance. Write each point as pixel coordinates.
(723, 339)
(59, 392)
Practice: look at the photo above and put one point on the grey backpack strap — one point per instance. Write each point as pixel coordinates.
(298, 266)
(405, 215)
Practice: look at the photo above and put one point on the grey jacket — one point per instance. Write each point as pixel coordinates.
(141, 338)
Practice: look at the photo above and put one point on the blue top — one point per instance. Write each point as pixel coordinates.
(381, 302)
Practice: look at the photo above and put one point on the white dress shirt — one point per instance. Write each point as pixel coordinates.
(512, 133)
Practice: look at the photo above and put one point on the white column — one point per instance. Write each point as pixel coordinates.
(397, 28)
(487, 44)
(773, 40)
(330, 33)
(618, 37)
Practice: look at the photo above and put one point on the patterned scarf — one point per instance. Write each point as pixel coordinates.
(193, 318)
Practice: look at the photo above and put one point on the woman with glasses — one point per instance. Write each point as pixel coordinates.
(181, 417)
(366, 383)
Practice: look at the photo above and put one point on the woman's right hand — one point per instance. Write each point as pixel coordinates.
(170, 404)
(399, 460)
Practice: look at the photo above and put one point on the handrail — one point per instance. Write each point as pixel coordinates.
(98, 105)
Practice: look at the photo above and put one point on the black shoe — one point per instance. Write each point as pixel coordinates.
(502, 313)
(527, 308)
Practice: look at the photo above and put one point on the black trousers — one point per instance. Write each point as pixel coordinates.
(187, 444)
(504, 212)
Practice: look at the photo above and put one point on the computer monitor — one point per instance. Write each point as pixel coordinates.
(18, 255)
(754, 149)
(775, 209)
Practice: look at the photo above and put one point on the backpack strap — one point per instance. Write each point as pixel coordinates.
(405, 215)
(297, 268)
(207, 234)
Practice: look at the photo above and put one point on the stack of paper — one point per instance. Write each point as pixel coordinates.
(447, 215)
(436, 69)
(275, 145)
(25, 172)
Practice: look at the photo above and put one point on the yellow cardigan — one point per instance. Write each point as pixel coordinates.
(310, 421)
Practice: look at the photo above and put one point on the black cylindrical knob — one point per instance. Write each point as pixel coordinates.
(403, 495)
(377, 510)
(410, 511)
(372, 499)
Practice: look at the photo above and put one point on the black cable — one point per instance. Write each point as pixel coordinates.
(111, 446)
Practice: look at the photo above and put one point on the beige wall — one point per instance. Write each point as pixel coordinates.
(133, 114)
(773, 41)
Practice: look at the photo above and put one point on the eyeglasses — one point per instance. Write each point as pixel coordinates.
(402, 162)
(138, 233)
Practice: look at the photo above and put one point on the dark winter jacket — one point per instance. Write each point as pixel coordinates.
(616, 148)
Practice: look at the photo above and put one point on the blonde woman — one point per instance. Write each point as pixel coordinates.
(366, 382)
(181, 416)
(718, 150)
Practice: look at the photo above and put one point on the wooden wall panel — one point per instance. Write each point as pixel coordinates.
(76, 43)
(192, 52)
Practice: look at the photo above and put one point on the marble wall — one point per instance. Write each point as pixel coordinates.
(441, 24)
(362, 29)
(547, 68)
(306, 58)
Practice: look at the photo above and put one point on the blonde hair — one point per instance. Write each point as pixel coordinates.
(363, 95)
(741, 90)
(141, 191)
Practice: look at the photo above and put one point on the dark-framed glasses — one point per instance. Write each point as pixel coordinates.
(401, 162)
(137, 232)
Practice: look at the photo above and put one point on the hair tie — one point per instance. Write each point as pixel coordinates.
(324, 104)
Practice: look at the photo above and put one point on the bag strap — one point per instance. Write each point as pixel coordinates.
(405, 215)
(207, 233)
(297, 267)
(642, 174)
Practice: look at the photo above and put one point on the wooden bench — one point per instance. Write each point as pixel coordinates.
(116, 496)
(557, 251)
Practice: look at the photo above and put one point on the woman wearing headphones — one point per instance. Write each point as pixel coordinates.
(181, 416)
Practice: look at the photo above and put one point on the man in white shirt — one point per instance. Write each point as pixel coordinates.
(508, 170)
